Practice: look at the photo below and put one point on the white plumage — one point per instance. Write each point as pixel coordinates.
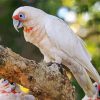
(12, 92)
(58, 43)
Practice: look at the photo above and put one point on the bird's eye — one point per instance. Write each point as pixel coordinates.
(22, 16)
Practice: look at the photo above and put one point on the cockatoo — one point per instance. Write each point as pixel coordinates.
(96, 96)
(58, 43)
(10, 92)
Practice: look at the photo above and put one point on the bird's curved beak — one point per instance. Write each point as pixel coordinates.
(17, 24)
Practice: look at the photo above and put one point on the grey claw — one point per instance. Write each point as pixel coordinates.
(50, 63)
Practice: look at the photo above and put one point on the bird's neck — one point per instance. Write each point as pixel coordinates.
(34, 32)
(33, 25)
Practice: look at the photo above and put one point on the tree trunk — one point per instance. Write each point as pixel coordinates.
(45, 83)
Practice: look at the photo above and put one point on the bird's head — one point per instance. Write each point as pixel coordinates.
(97, 86)
(19, 16)
(22, 15)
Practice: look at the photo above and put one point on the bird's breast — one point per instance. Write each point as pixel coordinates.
(27, 30)
(34, 34)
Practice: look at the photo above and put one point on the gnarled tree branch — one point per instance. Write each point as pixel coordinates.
(45, 83)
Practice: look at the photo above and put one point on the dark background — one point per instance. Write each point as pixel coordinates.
(86, 24)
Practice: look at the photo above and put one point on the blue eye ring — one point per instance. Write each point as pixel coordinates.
(22, 16)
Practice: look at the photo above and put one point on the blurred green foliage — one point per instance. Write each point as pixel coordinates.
(9, 37)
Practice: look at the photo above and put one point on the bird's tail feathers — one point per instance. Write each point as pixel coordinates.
(83, 79)
(93, 73)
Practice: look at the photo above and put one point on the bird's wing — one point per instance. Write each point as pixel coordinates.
(63, 38)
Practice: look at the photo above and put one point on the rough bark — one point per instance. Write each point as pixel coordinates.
(45, 83)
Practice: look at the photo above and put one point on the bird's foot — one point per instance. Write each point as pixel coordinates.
(49, 63)
(60, 66)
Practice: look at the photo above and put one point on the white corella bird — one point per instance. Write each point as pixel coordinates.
(97, 94)
(57, 43)
(11, 92)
